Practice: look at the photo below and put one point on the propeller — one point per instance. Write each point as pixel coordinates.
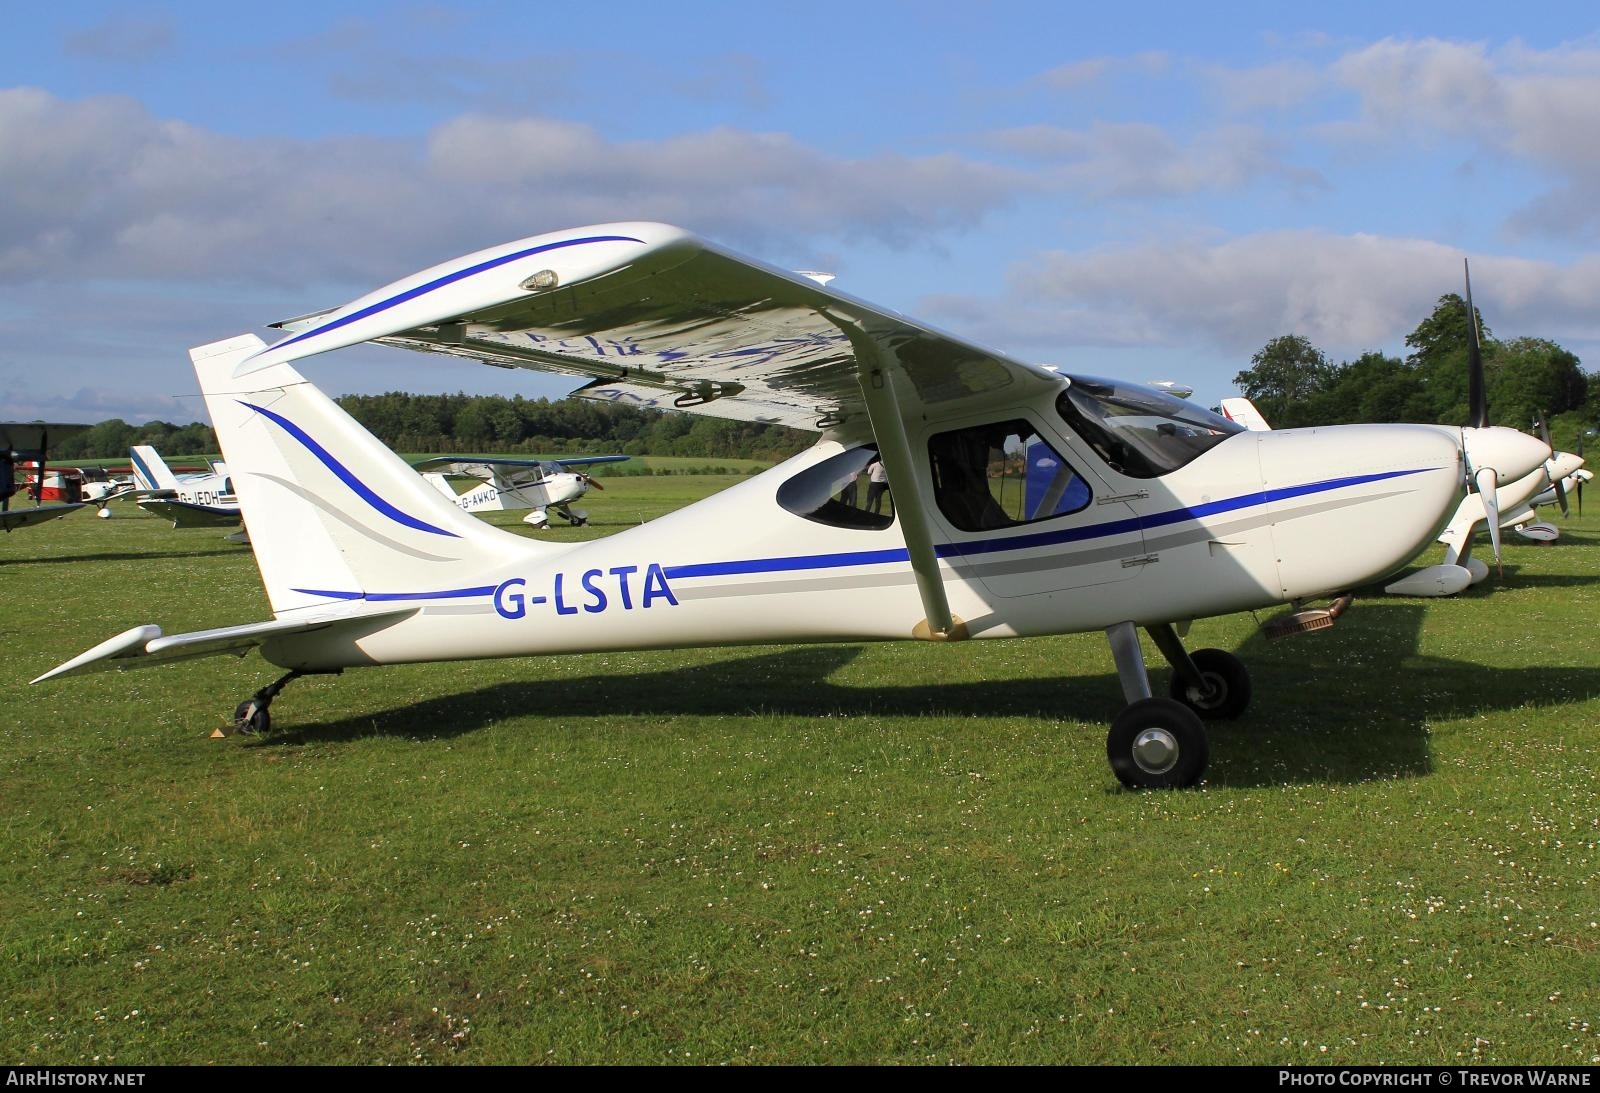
(44, 456)
(1477, 396)
(1561, 489)
(1484, 479)
(590, 480)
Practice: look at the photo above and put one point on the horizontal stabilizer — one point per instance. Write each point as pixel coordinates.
(145, 647)
(185, 514)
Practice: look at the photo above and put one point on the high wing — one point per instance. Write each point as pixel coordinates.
(454, 462)
(10, 519)
(654, 316)
(657, 317)
(591, 460)
(28, 437)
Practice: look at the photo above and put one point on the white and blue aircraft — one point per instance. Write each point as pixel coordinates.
(1025, 500)
(203, 499)
(537, 485)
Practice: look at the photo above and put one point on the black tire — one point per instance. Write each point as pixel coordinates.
(1228, 681)
(250, 721)
(1157, 743)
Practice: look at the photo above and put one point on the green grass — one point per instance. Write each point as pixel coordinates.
(898, 852)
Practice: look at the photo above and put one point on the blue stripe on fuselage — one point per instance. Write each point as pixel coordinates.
(896, 555)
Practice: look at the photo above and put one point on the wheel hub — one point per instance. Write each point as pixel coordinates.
(1210, 694)
(1156, 751)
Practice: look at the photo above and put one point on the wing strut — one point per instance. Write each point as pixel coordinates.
(878, 367)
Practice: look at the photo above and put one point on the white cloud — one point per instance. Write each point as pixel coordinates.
(124, 39)
(114, 191)
(1074, 76)
(1538, 107)
(1137, 160)
(1347, 293)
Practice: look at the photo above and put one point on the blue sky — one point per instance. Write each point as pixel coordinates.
(1140, 190)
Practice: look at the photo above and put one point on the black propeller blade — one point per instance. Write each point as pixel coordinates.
(1561, 490)
(44, 455)
(1477, 395)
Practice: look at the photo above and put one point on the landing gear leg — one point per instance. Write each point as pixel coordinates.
(1212, 682)
(1154, 743)
(251, 715)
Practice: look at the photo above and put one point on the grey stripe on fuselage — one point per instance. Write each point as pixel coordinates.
(350, 522)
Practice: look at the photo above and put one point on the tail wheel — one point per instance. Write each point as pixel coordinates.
(1157, 743)
(251, 716)
(1227, 691)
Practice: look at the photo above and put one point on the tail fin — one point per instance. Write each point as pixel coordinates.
(1245, 413)
(150, 471)
(333, 514)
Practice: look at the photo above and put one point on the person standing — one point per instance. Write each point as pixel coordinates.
(877, 485)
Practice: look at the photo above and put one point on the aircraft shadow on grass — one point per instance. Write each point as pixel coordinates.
(1351, 705)
(130, 556)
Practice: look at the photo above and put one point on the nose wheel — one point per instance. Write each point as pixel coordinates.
(1160, 743)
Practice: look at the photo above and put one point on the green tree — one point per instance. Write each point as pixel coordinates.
(1284, 377)
(1439, 354)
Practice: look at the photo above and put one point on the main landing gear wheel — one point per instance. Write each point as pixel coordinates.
(1157, 743)
(1227, 690)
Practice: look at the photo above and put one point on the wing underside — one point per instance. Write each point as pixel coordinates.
(655, 317)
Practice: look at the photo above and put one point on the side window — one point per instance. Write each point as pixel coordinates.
(848, 490)
(1000, 476)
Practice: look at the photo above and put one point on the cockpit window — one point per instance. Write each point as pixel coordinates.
(849, 490)
(1000, 476)
(1138, 431)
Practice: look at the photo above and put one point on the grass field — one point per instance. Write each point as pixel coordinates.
(889, 853)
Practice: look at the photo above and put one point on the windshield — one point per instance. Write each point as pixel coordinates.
(1139, 431)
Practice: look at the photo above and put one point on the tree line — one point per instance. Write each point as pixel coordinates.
(1290, 380)
(1527, 379)
(486, 423)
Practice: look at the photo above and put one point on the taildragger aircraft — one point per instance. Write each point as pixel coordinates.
(21, 443)
(537, 485)
(1023, 501)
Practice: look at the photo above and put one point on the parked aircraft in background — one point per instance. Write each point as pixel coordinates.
(203, 500)
(28, 442)
(88, 485)
(534, 484)
(1150, 512)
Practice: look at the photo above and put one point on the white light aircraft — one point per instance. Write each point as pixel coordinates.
(534, 484)
(203, 500)
(1024, 501)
